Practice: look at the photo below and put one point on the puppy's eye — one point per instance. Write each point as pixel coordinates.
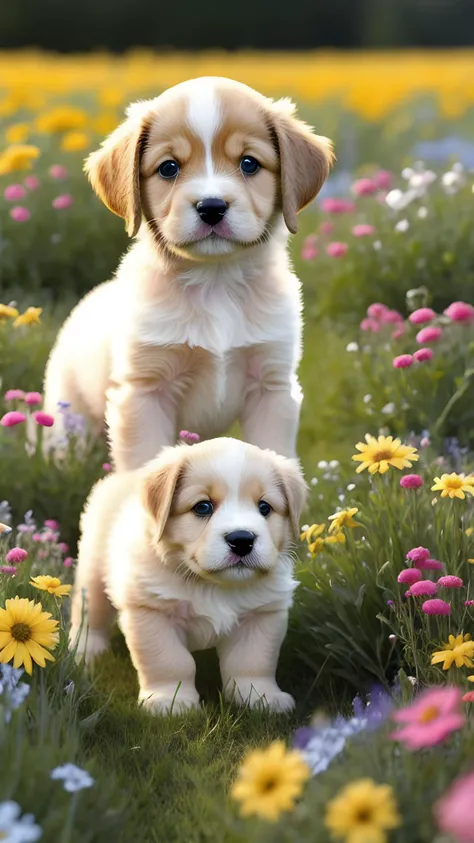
(203, 509)
(264, 509)
(249, 165)
(168, 169)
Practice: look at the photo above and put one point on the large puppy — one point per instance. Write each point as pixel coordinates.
(202, 323)
(192, 549)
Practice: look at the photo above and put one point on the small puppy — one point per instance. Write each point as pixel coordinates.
(193, 552)
(202, 324)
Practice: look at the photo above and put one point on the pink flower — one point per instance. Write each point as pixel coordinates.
(370, 325)
(326, 227)
(189, 437)
(12, 418)
(337, 206)
(460, 311)
(16, 555)
(469, 603)
(63, 201)
(430, 334)
(430, 719)
(423, 588)
(423, 314)
(63, 547)
(403, 361)
(425, 441)
(14, 395)
(469, 697)
(43, 419)
(37, 537)
(336, 249)
(363, 230)
(376, 310)
(31, 182)
(309, 250)
(436, 607)
(453, 811)
(20, 214)
(423, 354)
(411, 481)
(7, 569)
(450, 582)
(418, 554)
(398, 332)
(51, 524)
(409, 576)
(383, 179)
(106, 466)
(364, 187)
(391, 317)
(14, 192)
(58, 172)
(33, 398)
(68, 561)
(49, 536)
(430, 565)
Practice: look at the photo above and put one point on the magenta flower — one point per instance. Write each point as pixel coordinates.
(68, 561)
(391, 317)
(43, 419)
(460, 311)
(106, 466)
(336, 249)
(383, 179)
(58, 172)
(430, 719)
(337, 206)
(423, 588)
(370, 325)
(33, 398)
(376, 310)
(404, 361)
(12, 418)
(411, 481)
(326, 227)
(37, 537)
(63, 201)
(363, 230)
(423, 354)
(430, 565)
(32, 182)
(63, 547)
(429, 334)
(16, 555)
(453, 811)
(469, 603)
(418, 554)
(364, 187)
(7, 569)
(14, 395)
(189, 437)
(422, 315)
(309, 250)
(436, 607)
(469, 697)
(450, 582)
(398, 332)
(20, 214)
(51, 524)
(409, 576)
(14, 192)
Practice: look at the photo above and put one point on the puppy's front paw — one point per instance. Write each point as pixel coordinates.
(88, 644)
(280, 701)
(259, 693)
(166, 700)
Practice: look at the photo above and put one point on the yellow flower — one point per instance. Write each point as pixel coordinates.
(25, 631)
(337, 538)
(269, 781)
(106, 123)
(30, 316)
(469, 531)
(458, 651)
(469, 480)
(379, 454)
(7, 312)
(471, 561)
(470, 678)
(63, 118)
(74, 142)
(345, 518)
(317, 547)
(110, 97)
(52, 585)
(17, 133)
(17, 157)
(362, 812)
(312, 532)
(452, 485)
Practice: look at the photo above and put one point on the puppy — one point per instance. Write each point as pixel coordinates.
(202, 324)
(193, 551)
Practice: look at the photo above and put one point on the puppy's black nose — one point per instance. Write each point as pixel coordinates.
(211, 210)
(240, 541)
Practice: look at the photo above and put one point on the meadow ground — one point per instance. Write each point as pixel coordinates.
(380, 246)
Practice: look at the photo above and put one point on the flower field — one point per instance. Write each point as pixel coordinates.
(380, 650)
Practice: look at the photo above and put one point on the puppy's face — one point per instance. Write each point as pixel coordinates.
(210, 164)
(223, 511)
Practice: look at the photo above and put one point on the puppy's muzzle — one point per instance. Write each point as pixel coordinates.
(241, 542)
(212, 211)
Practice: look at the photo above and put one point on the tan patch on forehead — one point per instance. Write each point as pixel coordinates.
(251, 488)
(244, 129)
(171, 137)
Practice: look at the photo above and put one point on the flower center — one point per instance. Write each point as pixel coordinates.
(384, 454)
(430, 713)
(268, 785)
(364, 815)
(20, 632)
(454, 483)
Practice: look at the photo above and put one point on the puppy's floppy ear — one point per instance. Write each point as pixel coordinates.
(305, 160)
(114, 169)
(295, 490)
(159, 485)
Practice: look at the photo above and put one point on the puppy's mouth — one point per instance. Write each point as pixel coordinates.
(221, 231)
(251, 562)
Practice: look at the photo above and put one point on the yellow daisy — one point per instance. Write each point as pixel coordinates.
(269, 781)
(75, 142)
(362, 812)
(470, 678)
(337, 538)
(17, 133)
(30, 316)
(345, 518)
(25, 631)
(379, 454)
(17, 157)
(63, 118)
(312, 532)
(452, 485)
(106, 123)
(52, 585)
(459, 651)
(7, 312)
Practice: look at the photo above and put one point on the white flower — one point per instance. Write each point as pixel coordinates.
(453, 181)
(341, 498)
(351, 487)
(73, 777)
(12, 692)
(407, 173)
(334, 464)
(402, 225)
(393, 198)
(422, 212)
(314, 481)
(422, 179)
(377, 244)
(388, 409)
(304, 528)
(322, 464)
(15, 828)
(352, 346)
(367, 398)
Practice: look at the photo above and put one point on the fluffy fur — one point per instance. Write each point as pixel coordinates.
(176, 583)
(200, 326)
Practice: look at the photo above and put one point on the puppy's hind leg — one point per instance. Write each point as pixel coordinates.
(92, 614)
